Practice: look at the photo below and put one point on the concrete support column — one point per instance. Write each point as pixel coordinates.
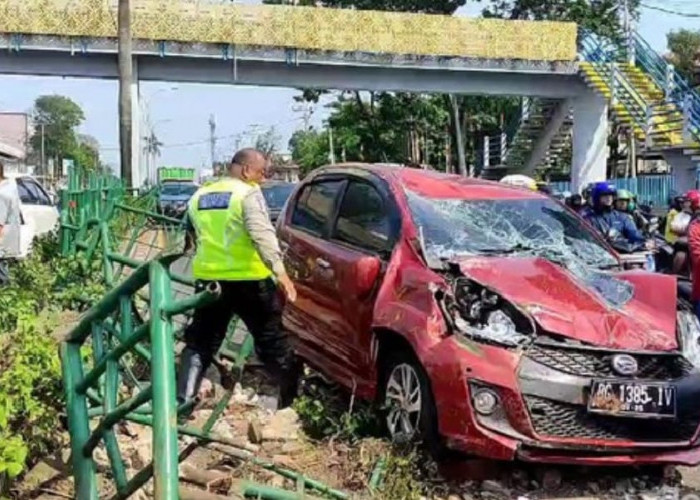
(137, 176)
(683, 169)
(590, 140)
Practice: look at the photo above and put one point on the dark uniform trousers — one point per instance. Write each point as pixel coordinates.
(258, 305)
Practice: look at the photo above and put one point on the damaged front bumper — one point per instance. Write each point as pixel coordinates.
(543, 414)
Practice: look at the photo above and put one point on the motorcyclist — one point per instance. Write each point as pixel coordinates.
(680, 204)
(610, 222)
(626, 203)
(678, 226)
(575, 202)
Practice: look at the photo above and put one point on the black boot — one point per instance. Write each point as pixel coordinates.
(190, 376)
(289, 385)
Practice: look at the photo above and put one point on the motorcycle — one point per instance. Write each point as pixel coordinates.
(632, 255)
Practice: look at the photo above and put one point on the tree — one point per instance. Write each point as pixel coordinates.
(152, 150)
(268, 142)
(685, 52)
(56, 119)
(310, 149)
(427, 6)
(125, 77)
(600, 16)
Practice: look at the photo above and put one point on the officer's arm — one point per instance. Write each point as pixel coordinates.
(189, 234)
(262, 233)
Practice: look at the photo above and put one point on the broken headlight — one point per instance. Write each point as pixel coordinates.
(689, 336)
(482, 314)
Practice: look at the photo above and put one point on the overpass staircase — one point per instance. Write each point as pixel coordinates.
(647, 97)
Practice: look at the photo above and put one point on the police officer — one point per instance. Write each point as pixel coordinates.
(236, 246)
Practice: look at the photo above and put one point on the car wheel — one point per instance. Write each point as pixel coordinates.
(409, 407)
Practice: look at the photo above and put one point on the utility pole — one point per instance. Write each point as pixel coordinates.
(43, 155)
(331, 155)
(125, 76)
(212, 140)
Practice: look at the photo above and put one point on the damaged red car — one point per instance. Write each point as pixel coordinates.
(489, 319)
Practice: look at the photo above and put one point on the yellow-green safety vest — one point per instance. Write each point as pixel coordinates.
(225, 250)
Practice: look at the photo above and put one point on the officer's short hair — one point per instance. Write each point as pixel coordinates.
(246, 156)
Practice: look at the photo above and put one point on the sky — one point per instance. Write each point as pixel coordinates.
(180, 113)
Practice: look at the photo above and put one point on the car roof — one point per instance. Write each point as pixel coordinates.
(436, 184)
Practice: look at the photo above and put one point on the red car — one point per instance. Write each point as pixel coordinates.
(489, 319)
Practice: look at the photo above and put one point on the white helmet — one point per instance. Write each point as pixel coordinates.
(519, 180)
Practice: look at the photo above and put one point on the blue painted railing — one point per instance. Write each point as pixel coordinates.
(656, 189)
(678, 90)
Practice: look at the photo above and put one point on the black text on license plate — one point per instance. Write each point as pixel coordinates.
(632, 398)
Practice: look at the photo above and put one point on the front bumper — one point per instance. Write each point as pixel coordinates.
(543, 416)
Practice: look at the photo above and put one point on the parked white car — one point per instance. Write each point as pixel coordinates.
(38, 210)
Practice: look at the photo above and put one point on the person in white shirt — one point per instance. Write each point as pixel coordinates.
(9, 223)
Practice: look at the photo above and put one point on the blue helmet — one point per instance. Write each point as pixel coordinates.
(601, 189)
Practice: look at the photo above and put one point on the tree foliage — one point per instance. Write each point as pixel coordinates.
(310, 149)
(600, 16)
(56, 120)
(685, 52)
(427, 6)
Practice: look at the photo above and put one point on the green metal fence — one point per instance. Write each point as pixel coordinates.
(136, 324)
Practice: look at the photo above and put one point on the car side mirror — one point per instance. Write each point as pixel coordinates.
(366, 273)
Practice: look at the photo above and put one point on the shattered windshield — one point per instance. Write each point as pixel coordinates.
(539, 226)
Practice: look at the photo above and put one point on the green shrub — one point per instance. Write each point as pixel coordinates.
(41, 286)
(30, 391)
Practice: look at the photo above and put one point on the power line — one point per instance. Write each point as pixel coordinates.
(204, 141)
(669, 11)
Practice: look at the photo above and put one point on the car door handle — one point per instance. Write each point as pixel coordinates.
(323, 263)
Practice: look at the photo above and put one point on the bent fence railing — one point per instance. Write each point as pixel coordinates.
(119, 360)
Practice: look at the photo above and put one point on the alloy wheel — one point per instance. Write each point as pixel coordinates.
(403, 401)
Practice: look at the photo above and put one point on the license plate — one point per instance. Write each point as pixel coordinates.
(631, 398)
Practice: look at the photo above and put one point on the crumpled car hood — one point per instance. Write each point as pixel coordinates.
(565, 304)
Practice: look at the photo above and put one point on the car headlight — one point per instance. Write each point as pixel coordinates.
(481, 314)
(689, 336)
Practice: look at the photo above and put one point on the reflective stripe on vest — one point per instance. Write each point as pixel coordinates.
(224, 248)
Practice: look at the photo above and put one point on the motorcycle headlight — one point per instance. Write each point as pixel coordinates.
(482, 314)
(689, 336)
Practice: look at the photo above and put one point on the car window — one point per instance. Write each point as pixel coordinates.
(31, 193)
(276, 195)
(314, 206)
(362, 218)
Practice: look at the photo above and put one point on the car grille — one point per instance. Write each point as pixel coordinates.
(597, 363)
(563, 420)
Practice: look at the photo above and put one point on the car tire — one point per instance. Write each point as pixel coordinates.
(407, 402)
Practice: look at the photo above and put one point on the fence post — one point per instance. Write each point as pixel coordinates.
(648, 125)
(669, 87)
(165, 451)
(687, 105)
(613, 83)
(524, 108)
(504, 147)
(631, 46)
(487, 150)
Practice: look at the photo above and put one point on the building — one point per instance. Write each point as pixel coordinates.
(15, 131)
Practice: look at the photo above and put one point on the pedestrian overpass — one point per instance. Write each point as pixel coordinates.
(573, 81)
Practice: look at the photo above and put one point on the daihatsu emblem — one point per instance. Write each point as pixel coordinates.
(624, 364)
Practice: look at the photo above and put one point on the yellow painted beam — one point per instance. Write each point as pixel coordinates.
(298, 27)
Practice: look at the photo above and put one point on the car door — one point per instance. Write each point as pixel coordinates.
(302, 237)
(367, 224)
(37, 207)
